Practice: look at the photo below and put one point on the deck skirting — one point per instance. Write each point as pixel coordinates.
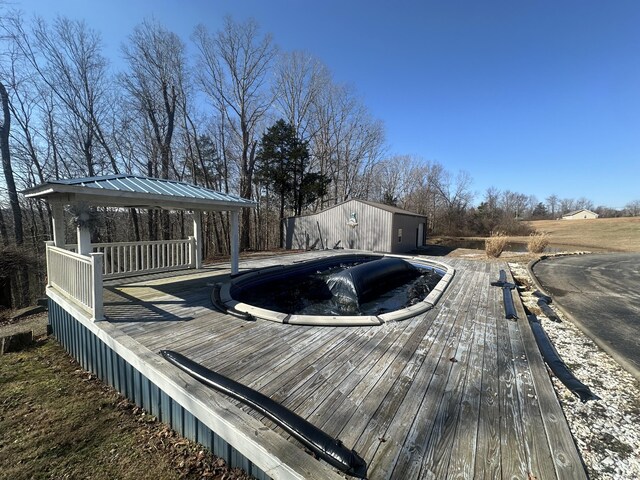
(95, 356)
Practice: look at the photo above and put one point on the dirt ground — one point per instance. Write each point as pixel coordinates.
(59, 421)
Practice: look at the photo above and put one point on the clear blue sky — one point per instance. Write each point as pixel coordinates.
(538, 97)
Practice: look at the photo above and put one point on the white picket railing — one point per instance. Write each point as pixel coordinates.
(78, 278)
(137, 258)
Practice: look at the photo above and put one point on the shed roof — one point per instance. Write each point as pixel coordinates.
(137, 191)
(391, 208)
(381, 206)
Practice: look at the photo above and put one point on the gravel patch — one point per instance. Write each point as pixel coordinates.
(607, 431)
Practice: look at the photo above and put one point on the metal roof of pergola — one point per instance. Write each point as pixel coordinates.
(137, 191)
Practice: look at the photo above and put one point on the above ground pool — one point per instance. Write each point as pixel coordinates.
(347, 289)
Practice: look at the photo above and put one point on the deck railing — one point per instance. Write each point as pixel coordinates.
(78, 278)
(136, 258)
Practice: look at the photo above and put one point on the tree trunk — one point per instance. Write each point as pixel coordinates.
(280, 218)
(136, 224)
(6, 165)
(3, 230)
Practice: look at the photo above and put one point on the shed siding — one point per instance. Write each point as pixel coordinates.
(409, 225)
(372, 232)
(98, 358)
(583, 214)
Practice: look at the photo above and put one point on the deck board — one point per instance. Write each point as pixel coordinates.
(431, 434)
(487, 464)
(391, 392)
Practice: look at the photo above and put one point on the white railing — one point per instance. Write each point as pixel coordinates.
(78, 278)
(137, 258)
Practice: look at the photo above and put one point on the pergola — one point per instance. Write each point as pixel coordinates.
(75, 273)
(139, 192)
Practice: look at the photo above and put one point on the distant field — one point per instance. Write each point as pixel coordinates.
(614, 234)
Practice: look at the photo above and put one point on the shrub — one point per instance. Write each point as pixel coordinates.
(495, 244)
(538, 241)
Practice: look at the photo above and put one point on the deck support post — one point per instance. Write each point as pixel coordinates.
(235, 242)
(57, 219)
(197, 233)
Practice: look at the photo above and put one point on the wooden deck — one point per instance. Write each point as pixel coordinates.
(457, 392)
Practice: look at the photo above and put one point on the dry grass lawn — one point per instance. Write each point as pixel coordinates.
(610, 234)
(58, 421)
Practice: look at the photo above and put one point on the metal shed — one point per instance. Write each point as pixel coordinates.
(357, 224)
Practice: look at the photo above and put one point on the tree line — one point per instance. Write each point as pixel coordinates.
(191, 117)
(204, 110)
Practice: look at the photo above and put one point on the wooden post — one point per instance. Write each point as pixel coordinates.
(84, 241)
(48, 244)
(235, 242)
(57, 217)
(197, 233)
(192, 252)
(97, 294)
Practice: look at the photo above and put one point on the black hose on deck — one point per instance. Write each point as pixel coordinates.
(543, 297)
(509, 307)
(507, 299)
(548, 311)
(557, 366)
(326, 447)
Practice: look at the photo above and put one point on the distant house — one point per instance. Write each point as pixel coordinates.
(580, 214)
(357, 224)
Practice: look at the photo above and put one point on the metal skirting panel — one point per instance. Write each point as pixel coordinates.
(96, 357)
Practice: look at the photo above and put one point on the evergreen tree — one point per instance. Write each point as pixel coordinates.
(282, 166)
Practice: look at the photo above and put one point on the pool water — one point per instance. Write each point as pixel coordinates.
(309, 294)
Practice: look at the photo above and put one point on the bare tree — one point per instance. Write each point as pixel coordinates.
(4, 234)
(514, 205)
(491, 199)
(348, 143)
(396, 178)
(552, 202)
(567, 205)
(585, 203)
(7, 167)
(156, 70)
(67, 58)
(299, 82)
(633, 208)
(455, 195)
(233, 69)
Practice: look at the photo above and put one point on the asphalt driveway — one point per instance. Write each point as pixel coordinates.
(601, 292)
